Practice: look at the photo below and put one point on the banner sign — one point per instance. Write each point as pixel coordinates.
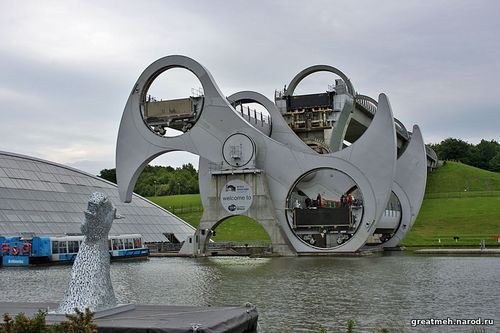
(236, 197)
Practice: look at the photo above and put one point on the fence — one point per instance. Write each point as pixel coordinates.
(448, 241)
(464, 194)
(184, 209)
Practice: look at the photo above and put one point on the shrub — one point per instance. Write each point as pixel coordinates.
(80, 322)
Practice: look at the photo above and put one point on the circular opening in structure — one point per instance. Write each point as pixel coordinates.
(389, 222)
(319, 82)
(171, 174)
(318, 108)
(324, 208)
(237, 234)
(173, 102)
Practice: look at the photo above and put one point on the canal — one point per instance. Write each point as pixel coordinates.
(300, 294)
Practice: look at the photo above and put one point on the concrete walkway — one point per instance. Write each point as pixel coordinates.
(476, 252)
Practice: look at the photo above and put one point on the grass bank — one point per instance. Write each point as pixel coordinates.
(460, 201)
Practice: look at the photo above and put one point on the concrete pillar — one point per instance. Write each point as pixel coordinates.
(261, 210)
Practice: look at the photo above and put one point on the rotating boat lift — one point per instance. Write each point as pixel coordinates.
(266, 171)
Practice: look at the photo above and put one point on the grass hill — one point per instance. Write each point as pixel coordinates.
(460, 200)
(456, 177)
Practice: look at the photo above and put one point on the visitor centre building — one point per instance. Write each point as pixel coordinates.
(42, 198)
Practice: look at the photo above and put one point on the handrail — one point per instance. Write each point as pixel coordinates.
(370, 105)
(431, 153)
(253, 116)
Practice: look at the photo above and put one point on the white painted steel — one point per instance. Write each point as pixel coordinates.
(370, 161)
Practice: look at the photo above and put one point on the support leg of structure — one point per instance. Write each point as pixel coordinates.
(261, 210)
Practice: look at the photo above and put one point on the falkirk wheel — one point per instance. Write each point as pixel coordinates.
(288, 171)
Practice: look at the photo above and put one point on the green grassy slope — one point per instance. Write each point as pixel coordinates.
(178, 202)
(457, 177)
(461, 201)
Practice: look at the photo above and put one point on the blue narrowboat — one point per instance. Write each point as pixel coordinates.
(19, 251)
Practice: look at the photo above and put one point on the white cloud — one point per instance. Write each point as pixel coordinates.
(68, 67)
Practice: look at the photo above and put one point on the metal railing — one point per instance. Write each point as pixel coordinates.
(242, 244)
(253, 116)
(431, 153)
(366, 104)
(370, 105)
(197, 92)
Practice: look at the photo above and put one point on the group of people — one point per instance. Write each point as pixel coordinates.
(346, 200)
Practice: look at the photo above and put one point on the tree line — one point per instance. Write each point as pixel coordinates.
(484, 155)
(159, 180)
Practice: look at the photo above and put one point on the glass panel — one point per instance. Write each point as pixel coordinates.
(137, 243)
(73, 246)
(8, 183)
(129, 244)
(55, 247)
(117, 244)
(63, 247)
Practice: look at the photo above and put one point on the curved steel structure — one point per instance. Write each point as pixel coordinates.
(137, 145)
(315, 69)
(408, 190)
(409, 185)
(280, 156)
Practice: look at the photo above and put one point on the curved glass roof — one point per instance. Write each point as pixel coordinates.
(48, 199)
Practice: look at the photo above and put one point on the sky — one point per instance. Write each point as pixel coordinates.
(67, 67)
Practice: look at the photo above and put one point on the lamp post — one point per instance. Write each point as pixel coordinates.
(179, 188)
(155, 182)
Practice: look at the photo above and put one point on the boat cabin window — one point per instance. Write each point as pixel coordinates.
(117, 244)
(137, 243)
(129, 243)
(73, 247)
(59, 247)
(63, 247)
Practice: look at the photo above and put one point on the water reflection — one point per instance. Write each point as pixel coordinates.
(297, 293)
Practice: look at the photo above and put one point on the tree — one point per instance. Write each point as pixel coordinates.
(159, 180)
(495, 163)
(454, 149)
(483, 154)
(108, 174)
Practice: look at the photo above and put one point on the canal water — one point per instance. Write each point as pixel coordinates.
(300, 294)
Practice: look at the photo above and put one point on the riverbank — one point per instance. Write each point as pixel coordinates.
(459, 252)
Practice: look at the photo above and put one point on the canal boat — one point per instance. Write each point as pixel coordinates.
(24, 251)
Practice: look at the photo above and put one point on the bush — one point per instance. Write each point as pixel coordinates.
(80, 322)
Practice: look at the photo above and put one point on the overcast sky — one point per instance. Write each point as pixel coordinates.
(67, 67)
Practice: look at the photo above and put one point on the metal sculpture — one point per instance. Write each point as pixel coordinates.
(90, 285)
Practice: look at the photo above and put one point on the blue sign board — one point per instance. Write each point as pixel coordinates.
(16, 260)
